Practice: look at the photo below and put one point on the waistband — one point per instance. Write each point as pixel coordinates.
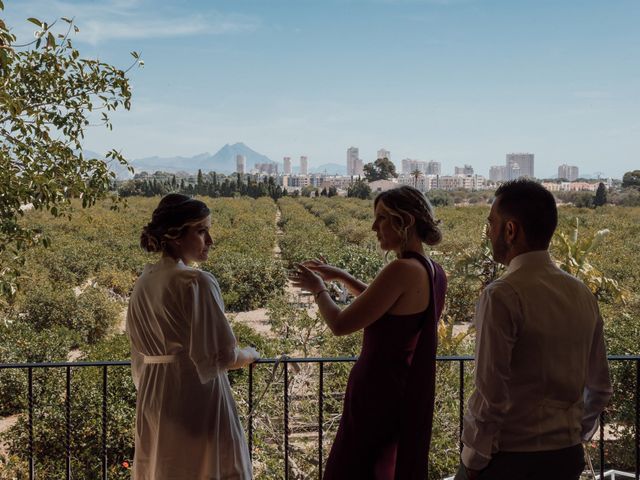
(149, 359)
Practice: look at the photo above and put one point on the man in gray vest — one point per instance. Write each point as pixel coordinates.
(541, 373)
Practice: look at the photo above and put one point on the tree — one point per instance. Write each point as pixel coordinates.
(601, 196)
(359, 189)
(381, 169)
(200, 183)
(416, 174)
(631, 179)
(48, 97)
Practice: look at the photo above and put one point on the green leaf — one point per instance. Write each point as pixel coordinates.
(65, 19)
(35, 21)
(1, 5)
(51, 40)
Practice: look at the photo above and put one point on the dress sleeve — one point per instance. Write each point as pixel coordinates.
(212, 344)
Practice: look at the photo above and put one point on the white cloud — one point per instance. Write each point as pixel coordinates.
(129, 19)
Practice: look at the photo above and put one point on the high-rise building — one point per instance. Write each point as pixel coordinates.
(434, 168)
(241, 164)
(409, 166)
(382, 153)
(304, 165)
(498, 173)
(354, 163)
(466, 170)
(287, 165)
(568, 172)
(270, 168)
(519, 165)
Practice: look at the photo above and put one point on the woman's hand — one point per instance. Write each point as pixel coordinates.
(327, 272)
(303, 277)
(245, 356)
(252, 353)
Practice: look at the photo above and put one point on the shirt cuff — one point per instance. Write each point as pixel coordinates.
(473, 460)
(589, 431)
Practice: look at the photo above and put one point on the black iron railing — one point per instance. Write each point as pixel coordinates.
(284, 363)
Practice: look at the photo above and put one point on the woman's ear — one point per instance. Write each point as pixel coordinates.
(411, 221)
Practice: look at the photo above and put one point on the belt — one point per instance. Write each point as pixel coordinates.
(160, 359)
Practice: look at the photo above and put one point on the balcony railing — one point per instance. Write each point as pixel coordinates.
(284, 363)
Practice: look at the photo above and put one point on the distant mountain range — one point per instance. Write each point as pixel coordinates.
(223, 161)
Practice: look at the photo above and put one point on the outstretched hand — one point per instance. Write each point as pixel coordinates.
(252, 353)
(327, 272)
(303, 277)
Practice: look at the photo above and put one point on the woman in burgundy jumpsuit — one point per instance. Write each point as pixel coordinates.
(385, 428)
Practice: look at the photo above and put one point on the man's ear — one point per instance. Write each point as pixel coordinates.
(511, 231)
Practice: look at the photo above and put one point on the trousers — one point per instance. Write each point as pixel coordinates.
(564, 464)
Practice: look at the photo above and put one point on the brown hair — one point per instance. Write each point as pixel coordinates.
(170, 219)
(533, 206)
(405, 204)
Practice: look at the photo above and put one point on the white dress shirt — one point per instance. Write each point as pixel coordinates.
(541, 372)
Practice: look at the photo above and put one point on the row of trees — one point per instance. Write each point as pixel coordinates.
(211, 184)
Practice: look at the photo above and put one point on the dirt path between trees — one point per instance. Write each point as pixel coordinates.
(258, 319)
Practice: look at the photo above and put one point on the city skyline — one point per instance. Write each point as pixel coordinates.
(464, 81)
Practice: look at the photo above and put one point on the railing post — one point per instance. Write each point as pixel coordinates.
(250, 425)
(461, 402)
(286, 420)
(67, 405)
(637, 431)
(32, 472)
(602, 445)
(320, 417)
(104, 422)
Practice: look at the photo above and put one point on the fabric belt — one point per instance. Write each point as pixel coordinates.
(160, 359)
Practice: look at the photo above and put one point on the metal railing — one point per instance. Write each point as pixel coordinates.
(285, 362)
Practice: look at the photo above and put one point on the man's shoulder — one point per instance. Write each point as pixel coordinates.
(549, 274)
(500, 287)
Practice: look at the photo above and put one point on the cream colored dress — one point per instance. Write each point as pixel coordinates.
(187, 427)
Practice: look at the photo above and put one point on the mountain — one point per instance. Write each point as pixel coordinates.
(225, 158)
(330, 169)
(223, 161)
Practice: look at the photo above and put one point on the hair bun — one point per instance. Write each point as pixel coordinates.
(148, 241)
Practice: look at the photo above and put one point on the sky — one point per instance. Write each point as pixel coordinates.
(455, 81)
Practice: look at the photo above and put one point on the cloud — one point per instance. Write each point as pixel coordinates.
(131, 19)
(98, 31)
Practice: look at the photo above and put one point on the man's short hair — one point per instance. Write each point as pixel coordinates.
(531, 205)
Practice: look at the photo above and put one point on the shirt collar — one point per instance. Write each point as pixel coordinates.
(537, 257)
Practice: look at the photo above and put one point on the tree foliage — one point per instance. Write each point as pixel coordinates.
(359, 189)
(631, 179)
(381, 169)
(600, 197)
(48, 97)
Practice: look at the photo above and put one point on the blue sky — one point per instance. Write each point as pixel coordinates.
(457, 81)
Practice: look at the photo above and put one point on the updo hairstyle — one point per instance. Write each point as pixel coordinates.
(406, 203)
(174, 214)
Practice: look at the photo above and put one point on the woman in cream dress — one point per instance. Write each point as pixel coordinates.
(187, 425)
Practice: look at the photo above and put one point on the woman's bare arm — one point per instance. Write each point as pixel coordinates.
(378, 298)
